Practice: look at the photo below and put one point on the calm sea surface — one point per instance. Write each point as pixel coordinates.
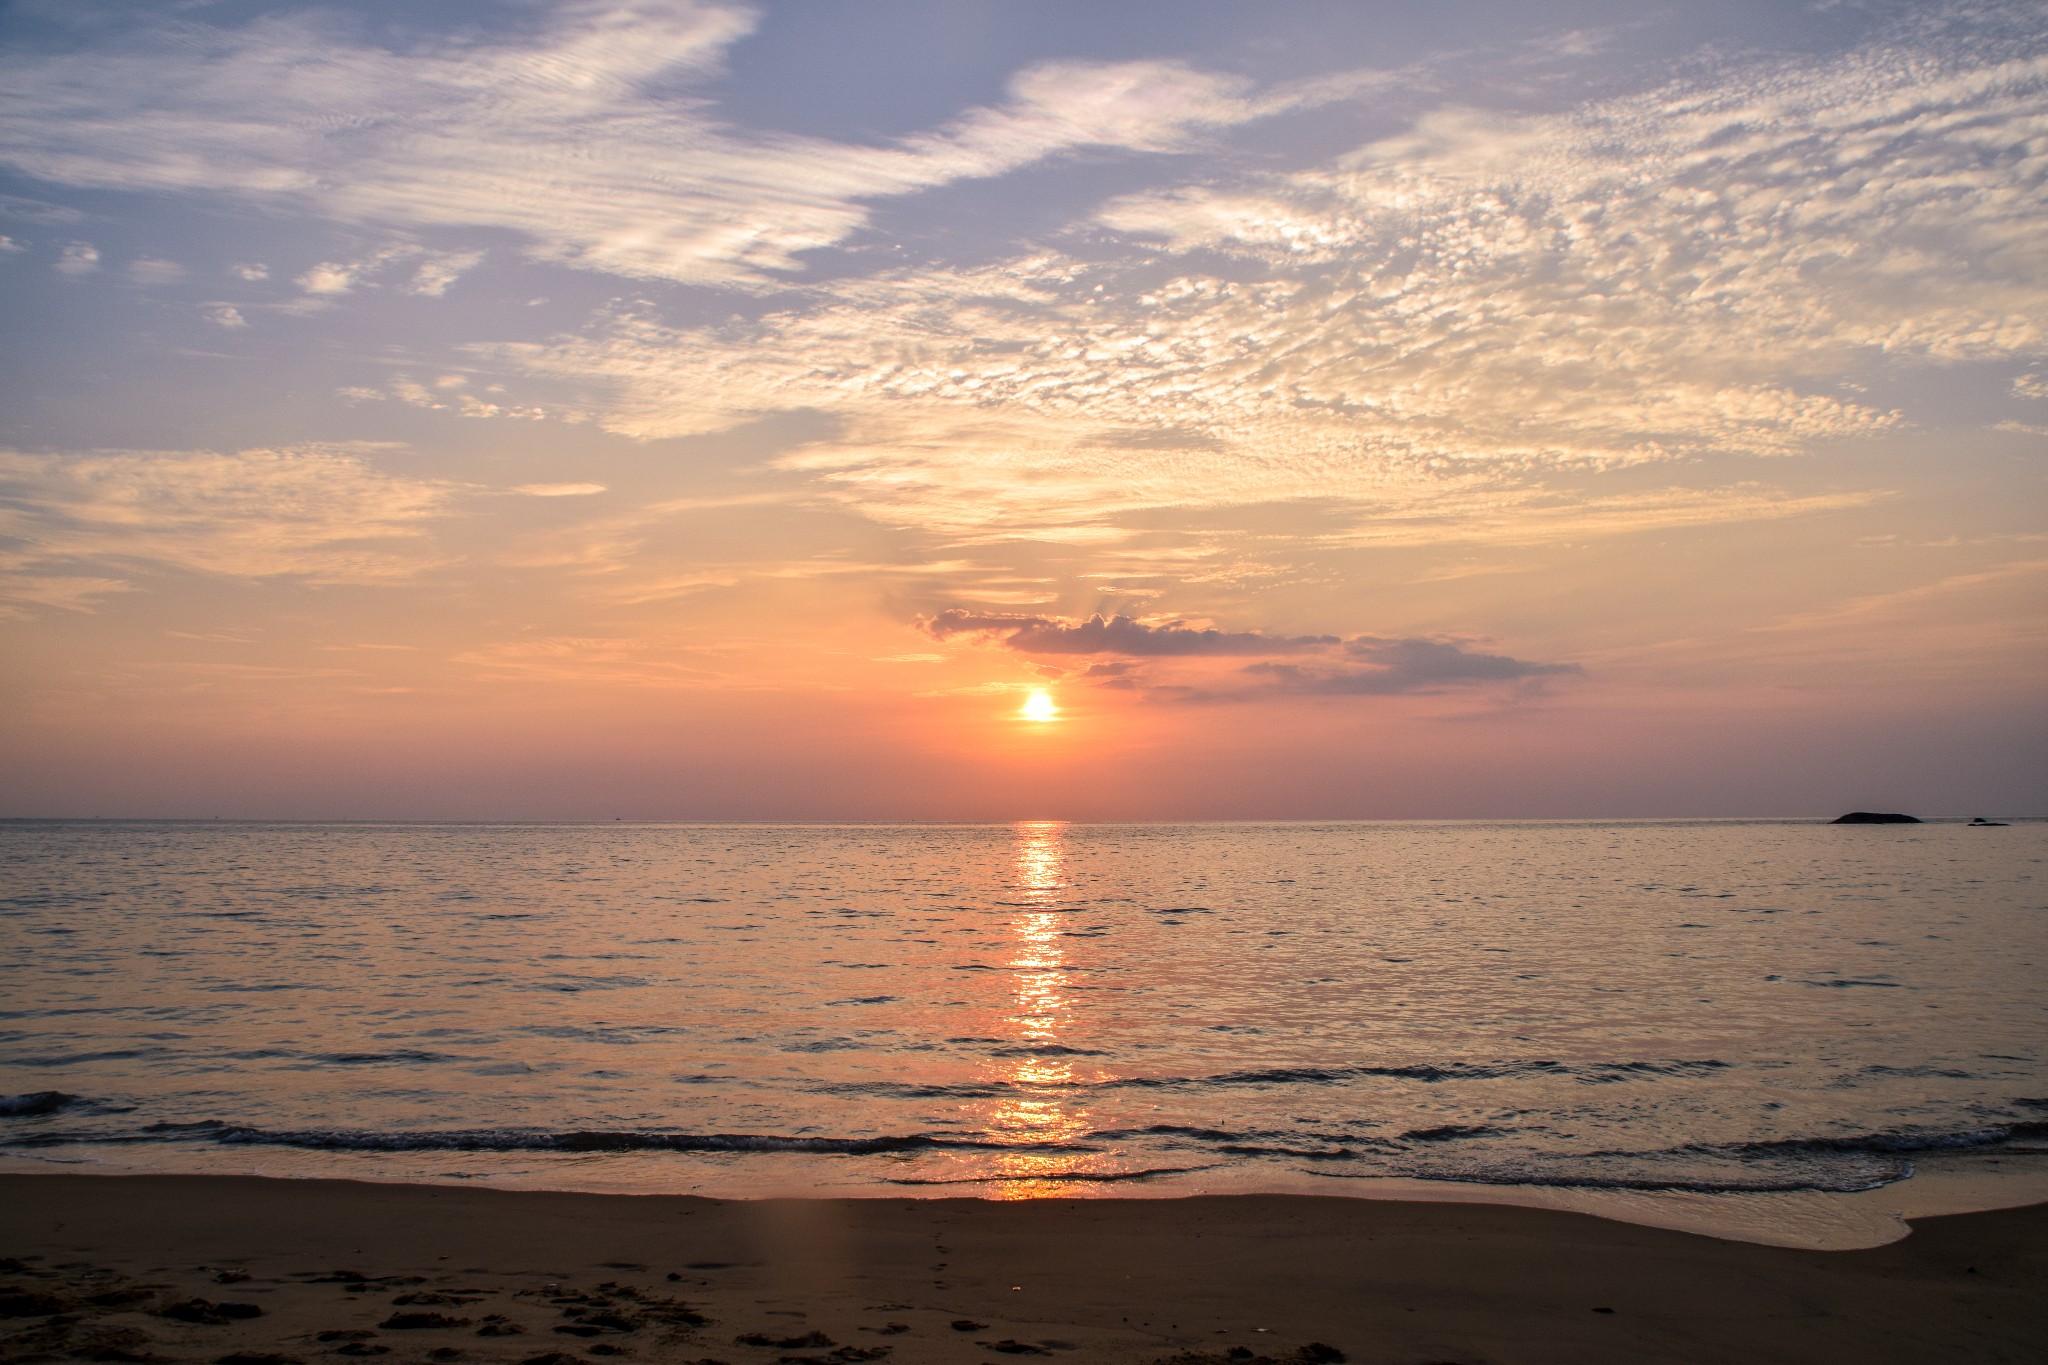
(1028, 1009)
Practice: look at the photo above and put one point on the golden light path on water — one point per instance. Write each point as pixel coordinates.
(1035, 1109)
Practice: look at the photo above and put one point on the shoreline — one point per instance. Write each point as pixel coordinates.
(1127, 1279)
(1943, 1183)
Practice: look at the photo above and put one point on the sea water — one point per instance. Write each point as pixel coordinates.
(1742, 1016)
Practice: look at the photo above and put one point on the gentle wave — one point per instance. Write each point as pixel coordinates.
(1838, 1163)
(1596, 1073)
(513, 1140)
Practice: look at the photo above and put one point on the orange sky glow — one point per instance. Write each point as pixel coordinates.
(1449, 415)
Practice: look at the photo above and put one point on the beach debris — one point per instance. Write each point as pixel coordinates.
(113, 1345)
(118, 1355)
(29, 1303)
(593, 1326)
(355, 1341)
(783, 1343)
(1315, 1353)
(417, 1322)
(355, 1281)
(207, 1313)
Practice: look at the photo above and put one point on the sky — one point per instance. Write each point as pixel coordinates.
(713, 411)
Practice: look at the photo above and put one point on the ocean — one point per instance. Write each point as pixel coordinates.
(1764, 1018)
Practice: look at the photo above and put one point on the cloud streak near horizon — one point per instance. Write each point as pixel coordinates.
(1362, 666)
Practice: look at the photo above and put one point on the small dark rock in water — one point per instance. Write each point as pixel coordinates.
(256, 1358)
(344, 1334)
(34, 1103)
(1871, 817)
(1015, 1348)
(605, 1348)
(362, 1348)
(413, 1322)
(230, 1276)
(445, 1353)
(888, 1329)
(1322, 1352)
(1603, 1310)
(500, 1329)
(552, 1358)
(968, 1325)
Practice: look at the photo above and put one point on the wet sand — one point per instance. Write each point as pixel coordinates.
(168, 1268)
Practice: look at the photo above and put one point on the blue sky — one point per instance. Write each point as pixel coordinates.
(546, 408)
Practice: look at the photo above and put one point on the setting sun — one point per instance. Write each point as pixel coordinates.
(1039, 706)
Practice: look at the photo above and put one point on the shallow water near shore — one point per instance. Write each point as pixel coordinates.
(1757, 1028)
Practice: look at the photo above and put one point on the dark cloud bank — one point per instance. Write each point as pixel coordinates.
(1363, 666)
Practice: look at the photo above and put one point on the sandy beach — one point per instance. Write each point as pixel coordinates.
(258, 1272)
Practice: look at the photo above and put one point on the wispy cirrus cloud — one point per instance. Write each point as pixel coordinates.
(80, 525)
(1720, 265)
(583, 139)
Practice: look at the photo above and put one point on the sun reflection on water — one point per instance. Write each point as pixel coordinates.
(1035, 1111)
